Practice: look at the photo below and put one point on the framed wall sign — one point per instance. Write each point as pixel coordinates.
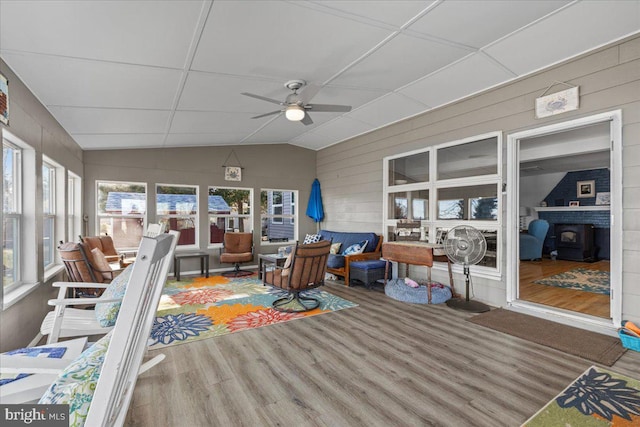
(233, 173)
(586, 188)
(556, 103)
(4, 100)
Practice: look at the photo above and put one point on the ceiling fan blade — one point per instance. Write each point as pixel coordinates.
(306, 120)
(267, 114)
(309, 92)
(263, 98)
(328, 108)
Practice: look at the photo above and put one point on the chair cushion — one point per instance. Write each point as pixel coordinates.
(349, 238)
(76, 385)
(356, 248)
(100, 262)
(335, 261)
(335, 248)
(239, 257)
(372, 264)
(311, 238)
(107, 312)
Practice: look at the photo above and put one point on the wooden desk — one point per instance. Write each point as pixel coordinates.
(416, 253)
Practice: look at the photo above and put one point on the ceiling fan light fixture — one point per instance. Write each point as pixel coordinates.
(295, 113)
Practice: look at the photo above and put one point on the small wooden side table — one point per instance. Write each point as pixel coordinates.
(204, 262)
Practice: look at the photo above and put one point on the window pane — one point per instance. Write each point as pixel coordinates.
(275, 205)
(186, 226)
(176, 200)
(10, 233)
(48, 189)
(229, 201)
(11, 174)
(406, 170)
(121, 199)
(466, 160)
(49, 241)
(491, 237)
(126, 232)
(471, 202)
(409, 205)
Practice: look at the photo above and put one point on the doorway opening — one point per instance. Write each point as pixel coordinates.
(566, 188)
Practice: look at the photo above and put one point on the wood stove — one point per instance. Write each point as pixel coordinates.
(575, 242)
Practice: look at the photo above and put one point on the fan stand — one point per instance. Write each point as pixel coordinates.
(467, 304)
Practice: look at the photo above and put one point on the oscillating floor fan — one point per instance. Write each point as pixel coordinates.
(466, 246)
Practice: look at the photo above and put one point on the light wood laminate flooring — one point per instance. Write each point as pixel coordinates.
(569, 299)
(383, 363)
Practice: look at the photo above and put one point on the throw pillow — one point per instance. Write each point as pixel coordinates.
(356, 248)
(100, 262)
(107, 312)
(335, 248)
(311, 238)
(76, 385)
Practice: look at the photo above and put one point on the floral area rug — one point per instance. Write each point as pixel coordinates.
(581, 279)
(598, 397)
(200, 308)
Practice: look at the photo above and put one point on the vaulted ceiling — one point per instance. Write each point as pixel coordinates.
(135, 74)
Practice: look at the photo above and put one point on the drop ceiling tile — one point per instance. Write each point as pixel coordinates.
(311, 140)
(576, 29)
(279, 131)
(342, 128)
(346, 96)
(399, 62)
(389, 109)
(477, 23)
(111, 141)
(217, 92)
(214, 122)
(104, 120)
(395, 13)
(468, 76)
(136, 32)
(203, 139)
(281, 40)
(95, 84)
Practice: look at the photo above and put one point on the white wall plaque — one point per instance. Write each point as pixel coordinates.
(556, 103)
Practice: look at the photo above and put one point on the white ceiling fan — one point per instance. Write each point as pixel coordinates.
(296, 106)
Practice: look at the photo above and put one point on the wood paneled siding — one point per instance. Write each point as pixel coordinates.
(609, 79)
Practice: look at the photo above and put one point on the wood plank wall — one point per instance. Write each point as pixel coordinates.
(609, 79)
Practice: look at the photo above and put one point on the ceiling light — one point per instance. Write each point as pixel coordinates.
(295, 113)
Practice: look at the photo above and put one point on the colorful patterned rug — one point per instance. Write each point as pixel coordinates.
(582, 279)
(199, 308)
(598, 397)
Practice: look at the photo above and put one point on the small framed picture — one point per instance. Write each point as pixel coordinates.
(4, 100)
(586, 189)
(574, 203)
(603, 199)
(233, 173)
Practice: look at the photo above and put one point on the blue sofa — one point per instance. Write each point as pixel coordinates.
(338, 264)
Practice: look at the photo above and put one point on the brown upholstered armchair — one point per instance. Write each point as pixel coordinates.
(238, 248)
(304, 270)
(83, 266)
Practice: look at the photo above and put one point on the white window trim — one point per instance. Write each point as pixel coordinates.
(17, 214)
(432, 186)
(195, 217)
(74, 206)
(54, 194)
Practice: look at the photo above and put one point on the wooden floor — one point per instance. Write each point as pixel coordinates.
(383, 363)
(569, 299)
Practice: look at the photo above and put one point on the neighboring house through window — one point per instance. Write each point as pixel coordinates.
(121, 212)
(230, 210)
(12, 215)
(177, 209)
(276, 206)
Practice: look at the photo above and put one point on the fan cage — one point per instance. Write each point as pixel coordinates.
(465, 245)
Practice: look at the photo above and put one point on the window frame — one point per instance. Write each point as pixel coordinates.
(230, 217)
(49, 212)
(280, 217)
(16, 214)
(432, 185)
(99, 216)
(74, 206)
(195, 217)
